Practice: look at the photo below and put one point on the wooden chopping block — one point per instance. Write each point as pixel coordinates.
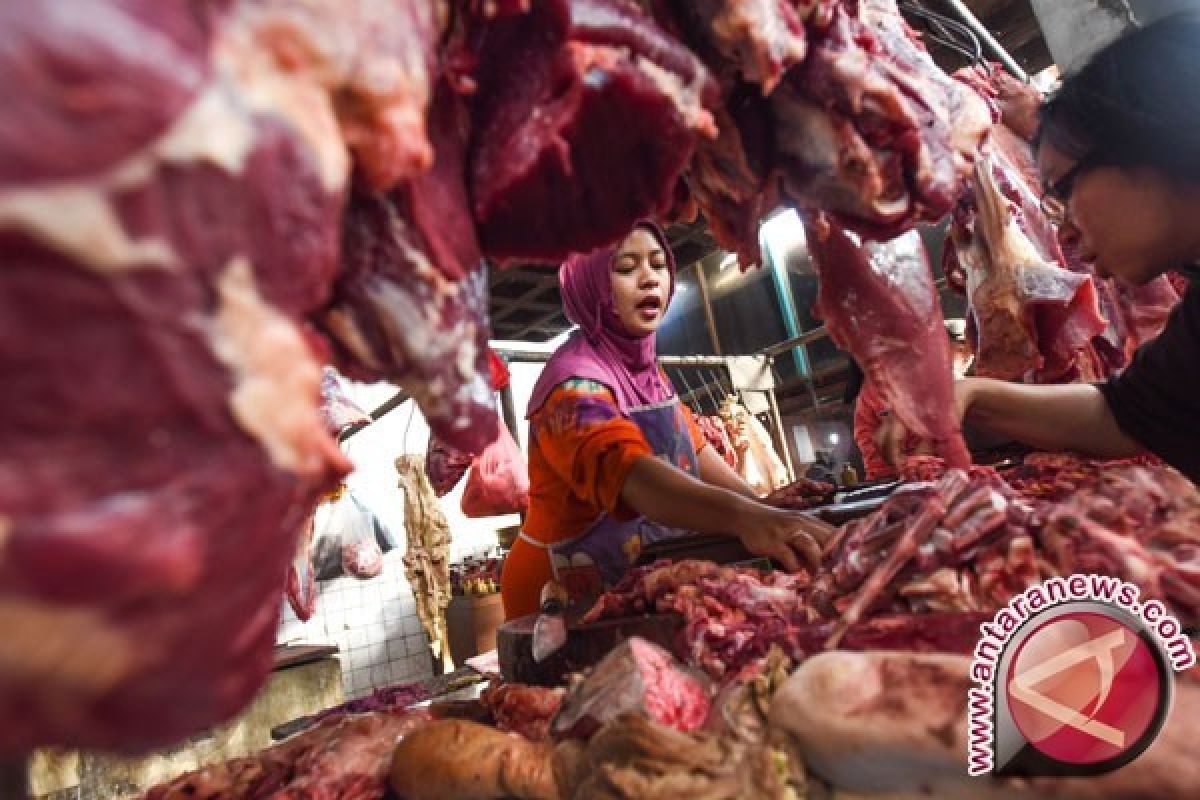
(586, 645)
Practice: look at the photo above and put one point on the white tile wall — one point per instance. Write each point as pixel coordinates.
(374, 622)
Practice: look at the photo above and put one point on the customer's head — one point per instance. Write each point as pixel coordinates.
(1119, 152)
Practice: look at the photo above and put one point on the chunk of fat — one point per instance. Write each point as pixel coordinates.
(293, 97)
(277, 380)
(74, 651)
(80, 222)
(78, 219)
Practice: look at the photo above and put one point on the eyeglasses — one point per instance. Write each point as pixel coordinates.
(1056, 195)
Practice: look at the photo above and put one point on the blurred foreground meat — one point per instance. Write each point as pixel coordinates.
(585, 116)
(172, 190)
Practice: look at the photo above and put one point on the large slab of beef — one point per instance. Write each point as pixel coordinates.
(879, 303)
(585, 116)
(1032, 307)
(172, 189)
(162, 444)
(1032, 317)
(410, 304)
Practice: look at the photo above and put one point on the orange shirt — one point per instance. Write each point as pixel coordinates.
(581, 449)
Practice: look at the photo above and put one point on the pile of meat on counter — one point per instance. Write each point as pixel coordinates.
(212, 199)
(941, 555)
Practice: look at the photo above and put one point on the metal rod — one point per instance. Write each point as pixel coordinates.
(709, 318)
(693, 361)
(983, 33)
(777, 418)
(391, 405)
(708, 390)
(808, 337)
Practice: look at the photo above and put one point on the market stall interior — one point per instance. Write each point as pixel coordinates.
(278, 278)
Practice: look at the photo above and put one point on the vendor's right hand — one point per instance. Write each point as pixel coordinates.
(790, 537)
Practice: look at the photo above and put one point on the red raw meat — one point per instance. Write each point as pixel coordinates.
(586, 114)
(345, 757)
(752, 40)
(638, 676)
(162, 443)
(411, 302)
(879, 303)
(869, 129)
(1146, 308)
(1031, 316)
(526, 710)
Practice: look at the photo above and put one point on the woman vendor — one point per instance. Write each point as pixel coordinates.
(1119, 156)
(616, 462)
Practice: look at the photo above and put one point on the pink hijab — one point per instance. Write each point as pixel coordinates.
(601, 350)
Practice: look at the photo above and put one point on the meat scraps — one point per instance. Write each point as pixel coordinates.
(522, 709)
(575, 96)
(801, 494)
(347, 757)
(636, 677)
(735, 616)
(936, 559)
(879, 303)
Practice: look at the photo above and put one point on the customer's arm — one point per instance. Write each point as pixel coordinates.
(1072, 417)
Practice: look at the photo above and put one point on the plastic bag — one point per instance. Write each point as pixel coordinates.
(498, 482)
(355, 527)
(444, 465)
(338, 411)
(301, 581)
(498, 374)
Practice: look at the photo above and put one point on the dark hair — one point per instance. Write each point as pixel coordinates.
(1136, 103)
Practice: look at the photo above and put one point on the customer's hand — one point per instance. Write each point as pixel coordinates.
(790, 537)
(891, 434)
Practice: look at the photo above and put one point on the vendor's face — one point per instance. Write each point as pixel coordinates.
(641, 283)
(1122, 220)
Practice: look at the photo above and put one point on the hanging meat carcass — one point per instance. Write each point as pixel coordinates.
(427, 558)
(162, 445)
(1031, 316)
(173, 179)
(868, 128)
(879, 303)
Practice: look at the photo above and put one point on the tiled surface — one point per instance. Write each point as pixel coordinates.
(374, 622)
